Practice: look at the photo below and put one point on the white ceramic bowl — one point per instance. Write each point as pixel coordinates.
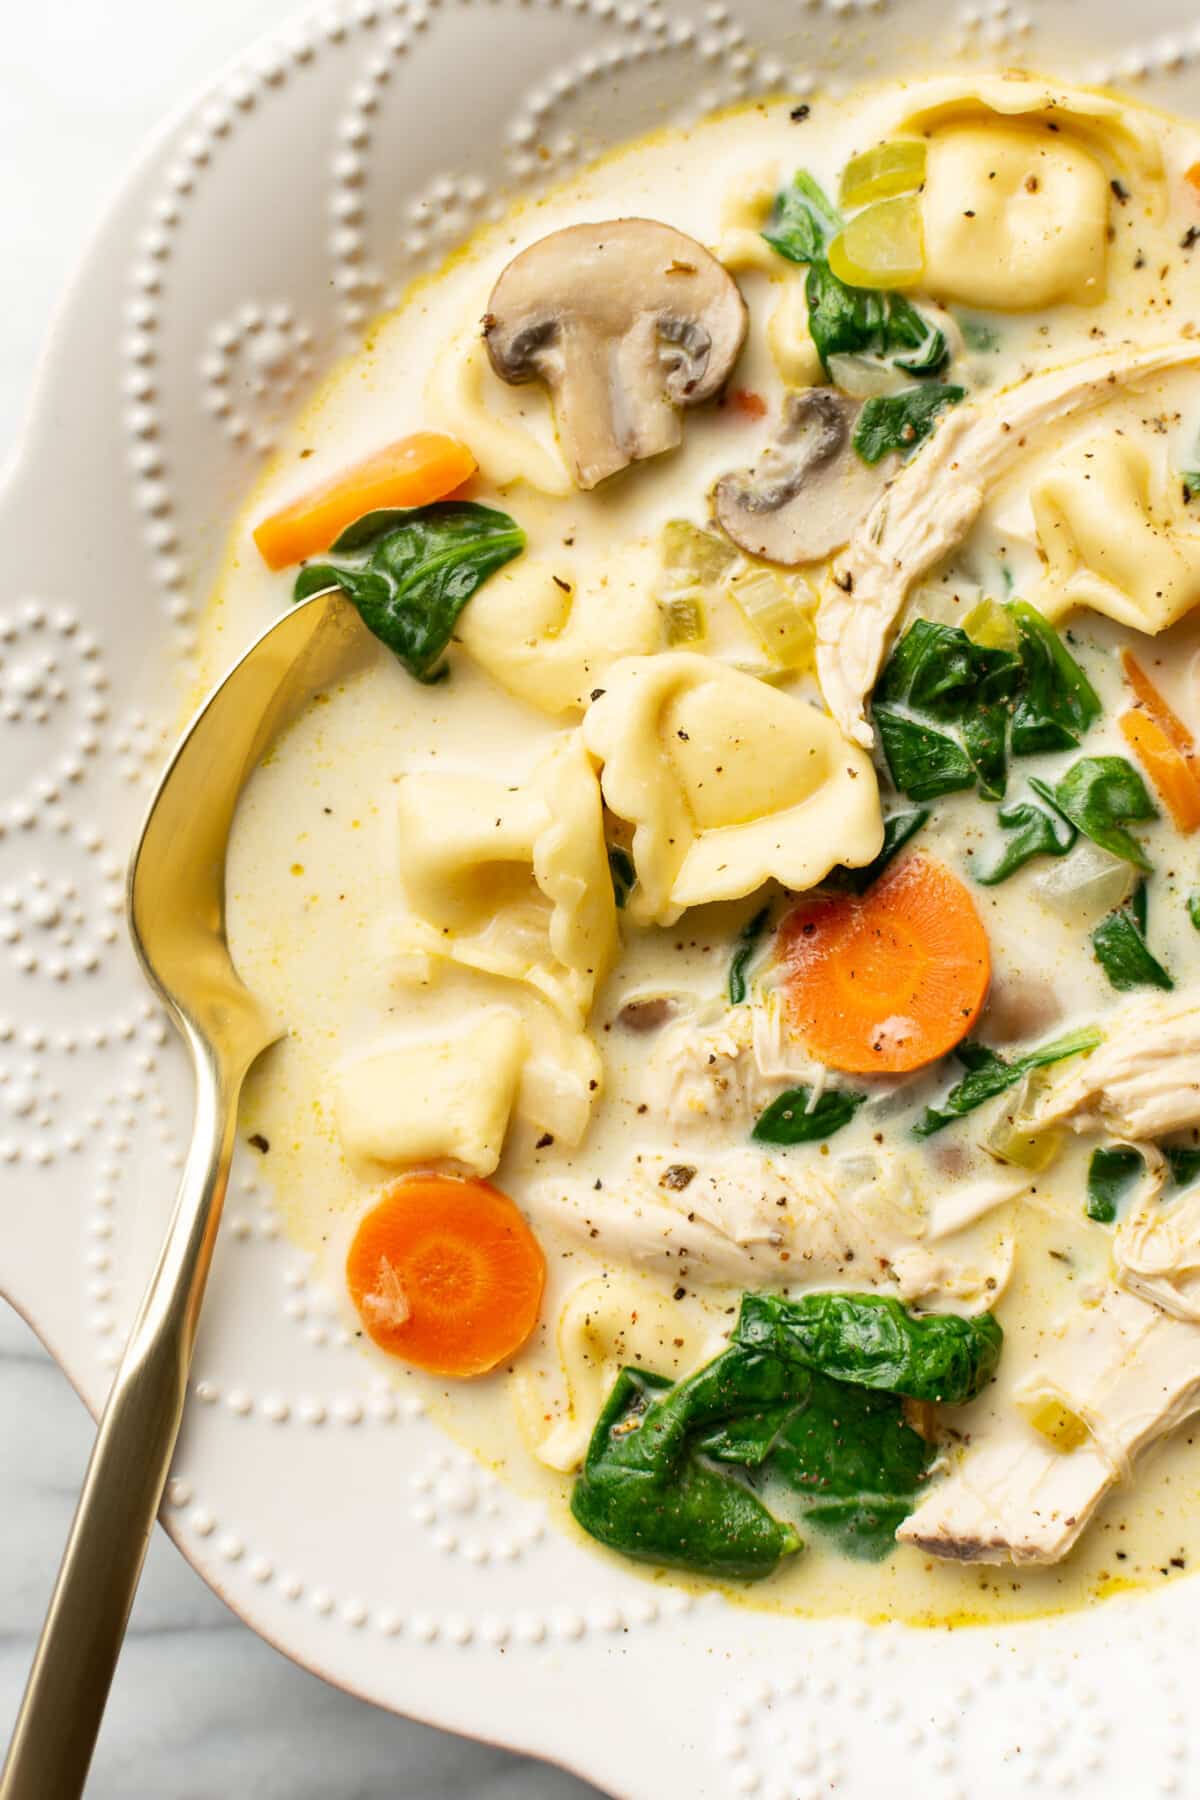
(258, 234)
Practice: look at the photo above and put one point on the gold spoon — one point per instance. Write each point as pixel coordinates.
(176, 903)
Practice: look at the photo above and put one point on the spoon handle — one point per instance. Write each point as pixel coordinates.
(56, 1730)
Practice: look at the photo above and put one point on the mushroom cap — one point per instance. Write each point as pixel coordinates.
(808, 490)
(625, 321)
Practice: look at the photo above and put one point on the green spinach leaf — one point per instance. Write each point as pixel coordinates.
(792, 1120)
(1193, 909)
(624, 875)
(977, 333)
(802, 220)
(988, 1074)
(1058, 703)
(1037, 830)
(922, 761)
(801, 1413)
(844, 320)
(421, 568)
(872, 1341)
(898, 829)
(1183, 1162)
(843, 1461)
(1122, 952)
(942, 705)
(1110, 1173)
(645, 1492)
(747, 944)
(1101, 795)
(901, 421)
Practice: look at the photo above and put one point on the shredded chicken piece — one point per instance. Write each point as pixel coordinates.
(933, 503)
(742, 1219)
(1142, 1082)
(728, 1070)
(1126, 1370)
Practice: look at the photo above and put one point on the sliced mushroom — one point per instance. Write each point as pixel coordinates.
(625, 322)
(808, 490)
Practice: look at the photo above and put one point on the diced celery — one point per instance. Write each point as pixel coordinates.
(894, 167)
(1013, 1142)
(695, 558)
(778, 610)
(990, 625)
(881, 247)
(683, 619)
(1057, 1423)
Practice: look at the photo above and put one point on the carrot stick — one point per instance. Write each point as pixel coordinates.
(1156, 704)
(1171, 772)
(890, 980)
(1163, 745)
(411, 472)
(446, 1274)
(1192, 176)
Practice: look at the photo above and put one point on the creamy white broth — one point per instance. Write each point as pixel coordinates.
(314, 887)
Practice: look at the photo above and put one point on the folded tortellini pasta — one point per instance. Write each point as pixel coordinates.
(434, 1099)
(727, 783)
(1112, 539)
(548, 640)
(1015, 217)
(607, 1323)
(465, 398)
(512, 880)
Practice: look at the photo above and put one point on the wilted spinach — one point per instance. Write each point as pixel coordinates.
(898, 829)
(420, 568)
(798, 1409)
(793, 1119)
(949, 709)
(1057, 702)
(872, 1341)
(1122, 951)
(901, 421)
(843, 1461)
(1183, 1162)
(1101, 795)
(623, 873)
(988, 1074)
(942, 707)
(747, 944)
(1110, 1173)
(1037, 829)
(845, 320)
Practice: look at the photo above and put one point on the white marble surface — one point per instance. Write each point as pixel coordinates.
(201, 1709)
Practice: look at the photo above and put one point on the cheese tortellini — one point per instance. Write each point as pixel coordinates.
(727, 783)
(464, 397)
(1111, 538)
(512, 880)
(548, 639)
(610, 1322)
(1015, 217)
(433, 1098)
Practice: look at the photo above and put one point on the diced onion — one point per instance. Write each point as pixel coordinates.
(990, 625)
(895, 167)
(862, 377)
(1082, 887)
(683, 619)
(881, 247)
(779, 612)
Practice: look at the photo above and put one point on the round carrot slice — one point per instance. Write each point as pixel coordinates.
(446, 1274)
(887, 981)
